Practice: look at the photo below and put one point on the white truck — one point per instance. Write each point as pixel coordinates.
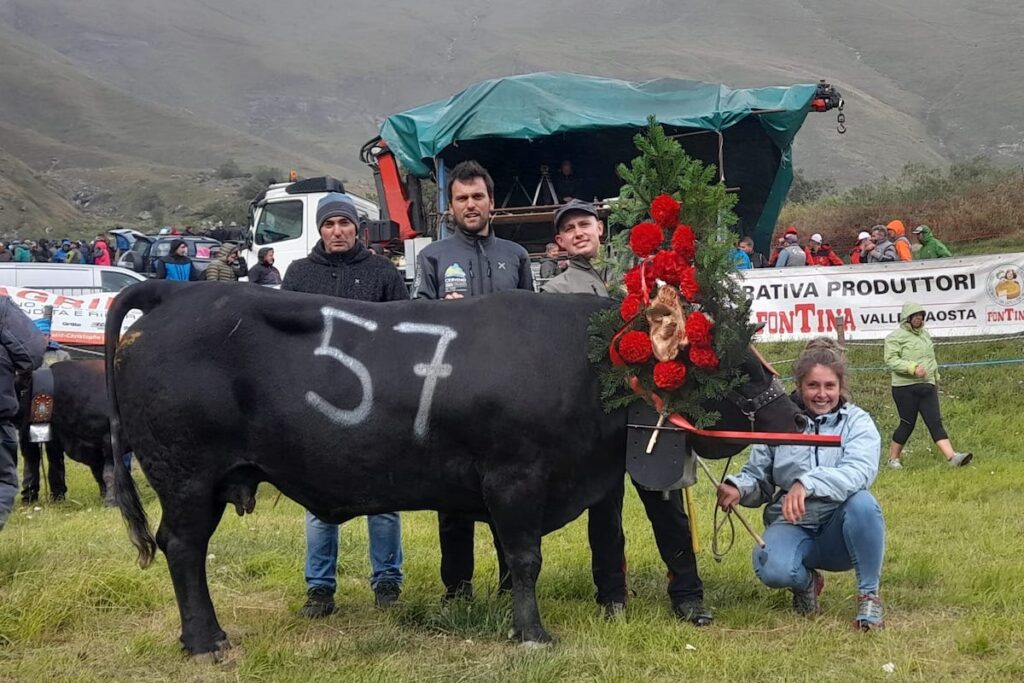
(284, 217)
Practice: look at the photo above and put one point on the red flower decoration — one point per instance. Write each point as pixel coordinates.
(688, 286)
(645, 239)
(632, 280)
(703, 357)
(666, 267)
(684, 243)
(698, 329)
(630, 307)
(665, 211)
(669, 375)
(635, 347)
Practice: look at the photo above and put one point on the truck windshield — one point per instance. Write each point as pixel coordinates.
(279, 221)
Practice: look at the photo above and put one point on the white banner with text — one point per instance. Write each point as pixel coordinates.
(972, 296)
(78, 319)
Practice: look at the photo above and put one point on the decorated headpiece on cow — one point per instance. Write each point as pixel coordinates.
(682, 329)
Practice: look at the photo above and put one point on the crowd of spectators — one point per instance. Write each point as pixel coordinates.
(883, 244)
(96, 252)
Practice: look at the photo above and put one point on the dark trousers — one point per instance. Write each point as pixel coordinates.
(913, 400)
(456, 536)
(33, 456)
(671, 529)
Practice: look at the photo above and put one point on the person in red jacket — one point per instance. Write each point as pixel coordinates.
(860, 251)
(821, 254)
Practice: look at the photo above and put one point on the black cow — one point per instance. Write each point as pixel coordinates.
(485, 407)
(80, 429)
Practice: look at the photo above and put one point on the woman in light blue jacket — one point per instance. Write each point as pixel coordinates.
(819, 514)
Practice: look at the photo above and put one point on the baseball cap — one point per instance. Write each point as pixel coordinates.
(816, 238)
(574, 205)
(791, 230)
(919, 229)
(863, 236)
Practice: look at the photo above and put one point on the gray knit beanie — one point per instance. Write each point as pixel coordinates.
(336, 204)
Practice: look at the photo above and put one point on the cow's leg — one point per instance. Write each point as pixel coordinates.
(183, 536)
(31, 453)
(97, 474)
(55, 473)
(107, 488)
(519, 532)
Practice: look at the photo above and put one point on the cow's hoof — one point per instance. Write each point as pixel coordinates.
(531, 645)
(109, 503)
(531, 637)
(207, 658)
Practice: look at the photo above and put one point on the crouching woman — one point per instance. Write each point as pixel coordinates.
(819, 514)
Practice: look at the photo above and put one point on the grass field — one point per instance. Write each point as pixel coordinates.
(74, 607)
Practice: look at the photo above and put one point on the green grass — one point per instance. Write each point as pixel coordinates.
(74, 607)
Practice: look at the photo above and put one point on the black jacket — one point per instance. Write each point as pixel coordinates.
(471, 266)
(21, 348)
(356, 274)
(262, 274)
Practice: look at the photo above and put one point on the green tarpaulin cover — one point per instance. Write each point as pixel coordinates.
(542, 104)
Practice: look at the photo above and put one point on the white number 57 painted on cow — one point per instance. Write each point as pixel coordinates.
(486, 407)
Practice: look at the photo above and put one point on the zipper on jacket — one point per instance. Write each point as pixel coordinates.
(471, 277)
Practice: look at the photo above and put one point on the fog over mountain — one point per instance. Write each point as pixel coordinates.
(99, 98)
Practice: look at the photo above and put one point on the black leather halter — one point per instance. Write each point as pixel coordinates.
(750, 406)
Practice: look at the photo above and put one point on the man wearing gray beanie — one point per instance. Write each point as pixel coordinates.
(339, 265)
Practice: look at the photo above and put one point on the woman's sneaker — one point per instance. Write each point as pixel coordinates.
(870, 614)
(895, 464)
(961, 459)
(805, 600)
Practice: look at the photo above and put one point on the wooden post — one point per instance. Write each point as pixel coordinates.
(841, 331)
(691, 510)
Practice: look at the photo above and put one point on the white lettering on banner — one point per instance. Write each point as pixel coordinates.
(972, 296)
(341, 416)
(430, 372)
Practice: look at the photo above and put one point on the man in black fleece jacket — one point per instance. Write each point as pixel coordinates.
(341, 266)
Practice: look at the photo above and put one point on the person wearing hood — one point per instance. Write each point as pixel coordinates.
(880, 249)
(931, 247)
(177, 265)
(339, 265)
(897, 232)
(23, 252)
(73, 254)
(223, 267)
(101, 253)
(471, 261)
(822, 254)
(819, 513)
(910, 355)
(264, 273)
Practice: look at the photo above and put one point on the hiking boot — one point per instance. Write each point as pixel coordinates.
(385, 594)
(805, 600)
(613, 610)
(895, 464)
(961, 459)
(869, 612)
(319, 604)
(693, 611)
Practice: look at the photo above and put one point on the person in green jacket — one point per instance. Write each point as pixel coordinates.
(910, 355)
(931, 247)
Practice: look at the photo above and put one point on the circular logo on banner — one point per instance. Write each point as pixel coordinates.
(1006, 284)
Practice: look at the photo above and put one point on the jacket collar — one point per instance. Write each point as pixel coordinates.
(474, 240)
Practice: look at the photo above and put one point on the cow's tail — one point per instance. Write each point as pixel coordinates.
(144, 296)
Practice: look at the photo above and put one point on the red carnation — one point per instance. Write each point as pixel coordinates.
(666, 267)
(683, 243)
(698, 329)
(703, 357)
(630, 307)
(688, 283)
(645, 238)
(669, 375)
(632, 279)
(635, 347)
(665, 211)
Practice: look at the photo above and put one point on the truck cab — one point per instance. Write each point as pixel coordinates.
(283, 217)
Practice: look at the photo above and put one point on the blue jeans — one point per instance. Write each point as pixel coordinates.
(385, 533)
(853, 539)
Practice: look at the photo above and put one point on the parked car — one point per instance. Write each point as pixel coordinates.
(147, 249)
(70, 279)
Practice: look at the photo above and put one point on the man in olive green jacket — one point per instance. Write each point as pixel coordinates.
(910, 355)
(222, 268)
(578, 231)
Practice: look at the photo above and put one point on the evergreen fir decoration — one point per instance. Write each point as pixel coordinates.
(665, 189)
